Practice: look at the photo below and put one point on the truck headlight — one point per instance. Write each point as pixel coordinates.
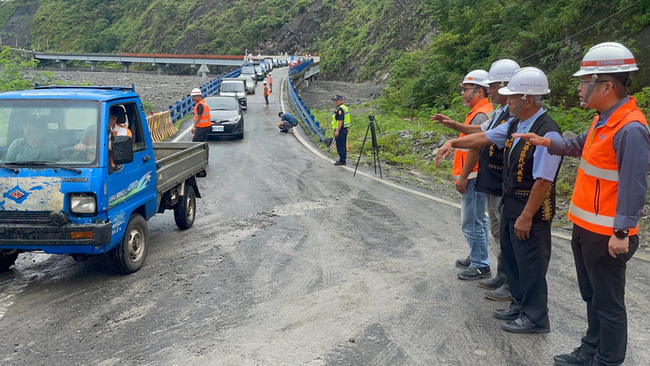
(83, 203)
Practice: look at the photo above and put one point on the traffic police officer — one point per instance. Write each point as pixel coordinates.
(342, 118)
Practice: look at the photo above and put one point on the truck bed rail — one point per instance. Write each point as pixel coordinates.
(177, 161)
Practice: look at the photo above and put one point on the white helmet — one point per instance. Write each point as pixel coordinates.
(196, 91)
(478, 77)
(607, 58)
(502, 71)
(527, 81)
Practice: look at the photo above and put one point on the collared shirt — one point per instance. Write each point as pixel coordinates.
(631, 144)
(545, 165)
(486, 125)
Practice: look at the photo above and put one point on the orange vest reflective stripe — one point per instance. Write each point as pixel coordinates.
(204, 119)
(460, 155)
(593, 205)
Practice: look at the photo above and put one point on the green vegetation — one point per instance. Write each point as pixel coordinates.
(161, 26)
(12, 72)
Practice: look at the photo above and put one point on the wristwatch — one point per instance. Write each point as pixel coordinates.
(621, 234)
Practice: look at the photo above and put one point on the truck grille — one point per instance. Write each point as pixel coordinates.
(18, 217)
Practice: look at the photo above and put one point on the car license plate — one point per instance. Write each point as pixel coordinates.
(217, 128)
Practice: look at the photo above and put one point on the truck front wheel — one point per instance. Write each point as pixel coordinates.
(185, 209)
(129, 256)
(7, 259)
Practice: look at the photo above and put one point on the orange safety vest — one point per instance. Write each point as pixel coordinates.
(266, 91)
(270, 81)
(593, 205)
(204, 119)
(460, 155)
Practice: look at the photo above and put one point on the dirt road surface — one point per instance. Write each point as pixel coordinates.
(291, 261)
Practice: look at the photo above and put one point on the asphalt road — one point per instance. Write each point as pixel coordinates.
(291, 261)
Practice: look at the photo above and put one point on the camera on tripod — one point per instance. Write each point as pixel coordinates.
(375, 146)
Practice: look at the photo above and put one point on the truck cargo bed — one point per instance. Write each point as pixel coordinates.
(178, 161)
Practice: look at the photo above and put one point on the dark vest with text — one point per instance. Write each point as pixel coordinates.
(490, 164)
(518, 178)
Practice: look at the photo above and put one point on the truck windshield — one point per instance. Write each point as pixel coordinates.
(233, 87)
(48, 131)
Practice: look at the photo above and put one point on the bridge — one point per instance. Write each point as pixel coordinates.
(126, 59)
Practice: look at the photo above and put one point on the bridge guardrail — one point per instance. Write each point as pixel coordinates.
(186, 105)
(311, 125)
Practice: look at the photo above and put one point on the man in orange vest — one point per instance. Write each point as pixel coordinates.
(473, 90)
(606, 205)
(270, 84)
(202, 121)
(266, 93)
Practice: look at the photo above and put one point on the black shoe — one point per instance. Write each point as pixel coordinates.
(524, 325)
(500, 294)
(493, 283)
(511, 313)
(474, 273)
(463, 262)
(339, 162)
(285, 131)
(580, 356)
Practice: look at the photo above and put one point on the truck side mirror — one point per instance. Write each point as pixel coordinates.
(122, 147)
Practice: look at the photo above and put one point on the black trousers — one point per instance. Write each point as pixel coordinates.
(601, 279)
(340, 144)
(525, 264)
(201, 134)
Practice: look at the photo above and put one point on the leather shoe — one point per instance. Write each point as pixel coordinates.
(580, 356)
(463, 262)
(338, 162)
(511, 313)
(500, 294)
(524, 325)
(493, 283)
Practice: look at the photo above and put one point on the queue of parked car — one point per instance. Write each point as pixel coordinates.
(227, 108)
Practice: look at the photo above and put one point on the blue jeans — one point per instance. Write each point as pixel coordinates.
(475, 224)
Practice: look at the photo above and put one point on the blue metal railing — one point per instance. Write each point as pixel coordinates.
(186, 105)
(300, 67)
(311, 125)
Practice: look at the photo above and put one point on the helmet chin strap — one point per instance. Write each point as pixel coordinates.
(590, 89)
(521, 103)
(469, 101)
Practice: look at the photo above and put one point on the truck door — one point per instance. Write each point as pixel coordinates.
(130, 185)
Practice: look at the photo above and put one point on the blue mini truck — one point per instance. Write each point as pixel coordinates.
(72, 180)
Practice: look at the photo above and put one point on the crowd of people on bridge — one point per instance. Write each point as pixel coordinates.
(506, 162)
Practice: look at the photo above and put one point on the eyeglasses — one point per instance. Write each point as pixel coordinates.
(583, 82)
(463, 89)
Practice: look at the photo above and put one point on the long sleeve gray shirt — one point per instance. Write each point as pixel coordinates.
(632, 148)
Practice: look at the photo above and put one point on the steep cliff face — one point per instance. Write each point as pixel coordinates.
(16, 30)
(360, 39)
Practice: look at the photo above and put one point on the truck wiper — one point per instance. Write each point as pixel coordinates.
(48, 164)
(9, 168)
